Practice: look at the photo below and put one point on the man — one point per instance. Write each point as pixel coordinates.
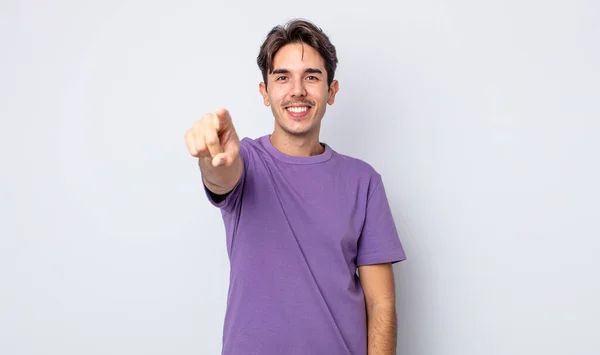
(301, 219)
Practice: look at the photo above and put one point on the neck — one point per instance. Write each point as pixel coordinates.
(300, 146)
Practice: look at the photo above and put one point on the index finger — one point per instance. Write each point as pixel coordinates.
(223, 117)
(212, 141)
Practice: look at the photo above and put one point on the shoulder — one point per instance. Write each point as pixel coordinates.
(249, 142)
(250, 147)
(254, 153)
(354, 164)
(357, 168)
(253, 144)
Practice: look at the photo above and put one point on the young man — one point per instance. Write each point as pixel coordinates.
(301, 219)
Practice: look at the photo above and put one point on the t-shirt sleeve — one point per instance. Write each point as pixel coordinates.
(232, 199)
(379, 241)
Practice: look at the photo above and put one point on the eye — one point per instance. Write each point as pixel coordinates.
(312, 77)
(281, 78)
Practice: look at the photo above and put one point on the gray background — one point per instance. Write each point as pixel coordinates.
(482, 117)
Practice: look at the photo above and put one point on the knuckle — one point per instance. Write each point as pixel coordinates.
(202, 151)
(208, 119)
(211, 140)
(197, 129)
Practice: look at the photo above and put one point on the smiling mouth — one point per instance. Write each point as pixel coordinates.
(298, 111)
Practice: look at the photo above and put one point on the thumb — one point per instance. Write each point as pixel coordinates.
(223, 159)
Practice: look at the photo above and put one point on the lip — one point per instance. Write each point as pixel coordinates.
(297, 115)
(286, 107)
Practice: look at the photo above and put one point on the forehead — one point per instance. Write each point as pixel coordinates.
(297, 56)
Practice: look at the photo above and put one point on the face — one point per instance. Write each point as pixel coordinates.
(297, 90)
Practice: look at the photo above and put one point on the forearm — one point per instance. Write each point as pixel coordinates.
(222, 179)
(381, 329)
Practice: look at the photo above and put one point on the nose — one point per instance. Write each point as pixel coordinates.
(298, 88)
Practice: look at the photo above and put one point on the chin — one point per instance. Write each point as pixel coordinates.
(298, 131)
(296, 126)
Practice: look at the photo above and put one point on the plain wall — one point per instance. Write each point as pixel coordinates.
(481, 116)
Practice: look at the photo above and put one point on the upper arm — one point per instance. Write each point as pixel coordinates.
(377, 282)
(379, 241)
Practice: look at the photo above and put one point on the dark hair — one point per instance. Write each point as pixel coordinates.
(297, 31)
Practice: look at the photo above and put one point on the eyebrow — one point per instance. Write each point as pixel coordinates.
(307, 71)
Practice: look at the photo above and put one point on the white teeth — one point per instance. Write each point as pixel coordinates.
(297, 109)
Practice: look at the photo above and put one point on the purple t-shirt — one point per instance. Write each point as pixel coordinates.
(296, 230)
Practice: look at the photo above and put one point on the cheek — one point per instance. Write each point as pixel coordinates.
(319, 94)
(276, 96)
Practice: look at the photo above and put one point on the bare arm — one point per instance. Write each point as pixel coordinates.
(214, 141)
(220, 180)
(377, 282)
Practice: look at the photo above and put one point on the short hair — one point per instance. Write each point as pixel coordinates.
(297, 31)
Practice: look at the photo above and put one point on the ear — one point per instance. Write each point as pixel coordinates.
(263, 91)
(333, 90)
